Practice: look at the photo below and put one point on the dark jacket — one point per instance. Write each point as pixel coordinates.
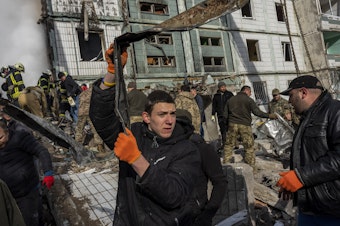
(315, 157)
(137, 100)
(17, 167)
(161, 196)
(219, 101)
(239, 109)
(211, 170)
(72, 88)
(15, 84)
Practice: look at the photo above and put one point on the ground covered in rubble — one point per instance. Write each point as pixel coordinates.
(63, 208)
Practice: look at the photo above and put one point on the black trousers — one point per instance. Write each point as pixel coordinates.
(31, 207)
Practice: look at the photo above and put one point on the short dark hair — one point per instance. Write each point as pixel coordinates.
(185, 88)
(157, 96)
(244, 88)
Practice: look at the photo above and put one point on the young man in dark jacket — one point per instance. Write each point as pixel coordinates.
(314, 178)
(158, 163)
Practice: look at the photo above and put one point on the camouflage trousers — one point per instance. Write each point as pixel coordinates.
(246, 135)
(79, 135)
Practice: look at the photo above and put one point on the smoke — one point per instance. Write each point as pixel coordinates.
(22, 39)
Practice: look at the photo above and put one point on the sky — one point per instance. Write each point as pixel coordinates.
(22, 39)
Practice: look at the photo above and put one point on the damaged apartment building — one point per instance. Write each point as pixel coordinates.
(265, 44)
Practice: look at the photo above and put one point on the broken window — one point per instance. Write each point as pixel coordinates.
(279, 12)
(253, 50)
(287, 51)
(260, 92)
(330, 7)
(208, 41)
(154, 8)
(213, 61)
(161, 61)
(246, 10)
(90, 50)
(160, 39)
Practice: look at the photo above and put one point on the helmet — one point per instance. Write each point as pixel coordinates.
(47, 72)
(19, 67)
(4, 71)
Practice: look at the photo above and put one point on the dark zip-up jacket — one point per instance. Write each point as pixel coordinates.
(315, 157)
(161, 196)
(219, 101)
(72, 88)
(17, 167)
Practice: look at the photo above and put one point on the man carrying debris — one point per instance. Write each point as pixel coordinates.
(158, 164)
(314, 178)
(238, 111)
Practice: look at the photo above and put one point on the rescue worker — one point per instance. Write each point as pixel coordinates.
(33, 100)
(136, 100)
(64, 106)
(72, 91)
(219, 102)
(84, 118)
(46, 84)
(238, 111)
(15, 82)
(185, 100)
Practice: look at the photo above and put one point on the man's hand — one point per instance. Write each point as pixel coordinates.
(289, 181)
(126, 148)
(213, 118)
(108, 58)
(285, 195)
(273, 116)
(48, 181)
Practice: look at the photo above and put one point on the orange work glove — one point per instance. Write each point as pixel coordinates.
(126, 148)
(109, 58)
(289, 181)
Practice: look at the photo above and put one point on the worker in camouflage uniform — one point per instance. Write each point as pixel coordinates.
(283, 108)
(185, 100)
(83, 118)
(238, 112)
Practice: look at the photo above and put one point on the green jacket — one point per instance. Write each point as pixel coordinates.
(10, 214)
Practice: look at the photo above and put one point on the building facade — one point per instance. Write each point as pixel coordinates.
(254, 46)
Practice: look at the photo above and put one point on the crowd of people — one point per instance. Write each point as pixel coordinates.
(164, 162)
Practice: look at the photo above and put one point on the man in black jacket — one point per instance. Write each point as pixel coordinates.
(72, 91)
(158, 164)
(218, 104)
(314, 178)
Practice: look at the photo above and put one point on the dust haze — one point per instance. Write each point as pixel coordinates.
(22, 39)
